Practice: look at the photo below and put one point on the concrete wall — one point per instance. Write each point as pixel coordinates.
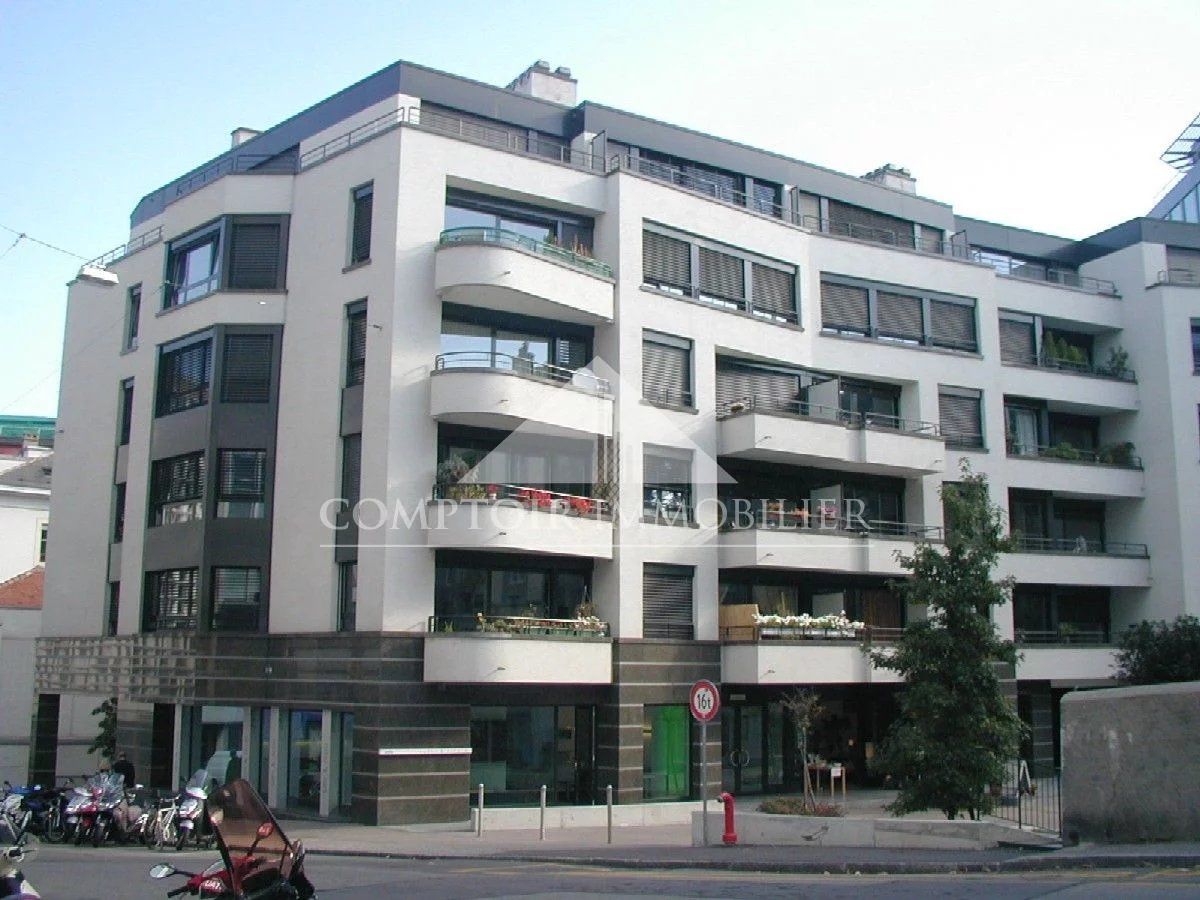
(1131, 764)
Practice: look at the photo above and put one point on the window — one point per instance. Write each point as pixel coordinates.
(241, 484)
(236, 598)
(1018, 343)
(717, 274)
(133, 312)
(112, 608)
(544, 226)
(667, 478)
(894, 313)
(1196, 347)
(193, 267)
(362, 200)
(961, 414)
(256, 253)
(1023, 425)
(356, 343)
(183, 377)
(667, 602)
(126, 411)
(351, 469)
(870, 402)
(246, 368)
(347, 611)
(118, 531)
(466, 586)
(43, 536)
(666, 369)
(478, 338)
(177, 489)
(170, 600)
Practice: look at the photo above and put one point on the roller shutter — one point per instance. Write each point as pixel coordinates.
(722, 275)
(666, 373)
(844, 308)
(1016, 342)
(952, 325)
(774, 292)
(765, 388)
(960, 420)
(667, 602)
(254, 256)
(900, 316)
(246, 368)
(666, 262)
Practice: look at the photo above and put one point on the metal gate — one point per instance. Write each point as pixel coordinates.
(1033, 802)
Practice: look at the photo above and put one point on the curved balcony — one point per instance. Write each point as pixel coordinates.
(799, 433)
(496, 390)
(505, 518)
(503, 270)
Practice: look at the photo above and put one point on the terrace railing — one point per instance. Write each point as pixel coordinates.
(528, 625)
(525, 497)
(761, 514)
(833, 414)
(1116, 455)
(506, 362)
(1079, 545)
(1063, 635)
(504, 238)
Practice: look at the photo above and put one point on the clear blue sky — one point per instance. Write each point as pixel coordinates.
(1049, 115)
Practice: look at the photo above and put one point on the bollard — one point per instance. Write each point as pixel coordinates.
(542, 822)
(479, 814)
(729, 838)
(608, 793)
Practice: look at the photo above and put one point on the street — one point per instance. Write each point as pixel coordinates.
(88, 874)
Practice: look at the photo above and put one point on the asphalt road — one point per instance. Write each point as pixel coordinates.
(87, 874)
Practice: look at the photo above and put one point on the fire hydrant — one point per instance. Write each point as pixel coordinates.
(730, 835)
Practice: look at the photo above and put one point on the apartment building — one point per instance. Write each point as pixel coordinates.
(453, 431)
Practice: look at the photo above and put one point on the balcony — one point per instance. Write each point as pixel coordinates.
(495, 390)
(817, 543)
(513, 650)
(1065, 657)
(508, 518)
(799, 433)
(1078, 561)
(1179, 277)
(503, 270)
(1071, 367)
(1043, 274)
(1111, 472)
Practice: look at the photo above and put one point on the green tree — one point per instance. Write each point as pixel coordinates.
(106, 740)
(1158, 652)
(956, 730)
(804, 708)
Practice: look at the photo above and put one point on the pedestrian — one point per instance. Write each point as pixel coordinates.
(124, 768)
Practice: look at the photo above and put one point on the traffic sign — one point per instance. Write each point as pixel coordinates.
(704, 701)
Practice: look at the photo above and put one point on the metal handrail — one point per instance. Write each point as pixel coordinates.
(870, 633)
(133, 245)
(523, 495)
(524, 625)
(506, 362)
(1179, 276)
(806, 517)
(477, 235)
(1067, 453)
(1061, 635)
(1079, 545)
(1067, 365)
(833, 414)
(1029, 271)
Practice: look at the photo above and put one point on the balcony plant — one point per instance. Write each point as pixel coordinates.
(1118, 362)
(1119, 454)
(1057, 352)
(450, 474)
(1062, 450)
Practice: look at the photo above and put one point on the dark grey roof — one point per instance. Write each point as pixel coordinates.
(36, 473)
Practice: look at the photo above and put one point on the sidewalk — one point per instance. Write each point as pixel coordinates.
(669, 847)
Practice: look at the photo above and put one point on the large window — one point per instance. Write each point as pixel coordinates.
(246, 368)
(193, 266)
(667, 479)
(246, 253)
(177, 489)
(545, 226)
(241, 484)
(961, 414)
(133, 314)
(667, 369)
(356, 343)
(347, 612)
(467, 587)
(517, 749)
(362, 202)
(126, 412)
(897, 314)
(481, 457)
(236, 598)
(184, 375)
(480, 338)
(718, 274)
(667, 602)
(170, 600)
(666, 753)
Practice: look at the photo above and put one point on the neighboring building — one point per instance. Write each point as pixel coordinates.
(533, 343)
(20, 624)
(23, 438)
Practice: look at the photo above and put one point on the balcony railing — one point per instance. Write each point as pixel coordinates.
(1182, 277)
(505, 238)
(1116, 455)
(506, 362)
(811, 518)
(133, 245)
(832, 414)
(1064, 634)
(525, 497)
(1122, 373)
(873, 634)
(1037, 272)
(533, 626)
(1079, 545)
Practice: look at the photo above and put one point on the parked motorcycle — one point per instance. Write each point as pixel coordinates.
(83, 809)
(14, 850)
(190, 821)
(116, 812)
(257, 860)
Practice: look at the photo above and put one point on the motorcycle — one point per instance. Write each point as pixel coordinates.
(257, 859)
(116, 812)
(83, 809)
(190, 821)
(14, 850)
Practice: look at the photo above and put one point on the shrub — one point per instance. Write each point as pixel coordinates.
(795, 806)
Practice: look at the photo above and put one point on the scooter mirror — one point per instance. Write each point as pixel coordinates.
(162, 870)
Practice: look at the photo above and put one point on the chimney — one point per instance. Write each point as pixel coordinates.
(239, 136)
(538, 81)
(894, 177)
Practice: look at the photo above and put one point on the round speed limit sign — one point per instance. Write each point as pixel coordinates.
(705, 701)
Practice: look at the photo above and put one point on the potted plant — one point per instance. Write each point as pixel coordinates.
(451, 471)
(1118, 362)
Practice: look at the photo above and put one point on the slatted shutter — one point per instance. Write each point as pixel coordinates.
(356, 347)
(667, 602)
(666, 372)
(961, 421)
(1016, 342)
(183, 377)
(868, 225)
(254, 256)
(351, 469)
(765, 388)
(666, 261)
(246, 368)
(952, 325)
(236, 595)
(722, 275)
(173, 595)
(899, 316)
(1183, 265)
(844, 308)
(177, 479)
(570, 354)
(360, 229)
(774, 292)
(241, 475)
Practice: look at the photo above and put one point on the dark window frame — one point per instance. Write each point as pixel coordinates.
(172, 398)
(177, 482)
(955, 440)
(247, 384)
(683, 398)
(362, 215)
(663, 500)
(347, 607)
(252, 580)
(928, 338)
(118, 519)
(1196, 346)
(133, 314)
(225, 272)
(231, 488)
(125, 428)
(356, 343)
(183, 581)
(112, 609)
